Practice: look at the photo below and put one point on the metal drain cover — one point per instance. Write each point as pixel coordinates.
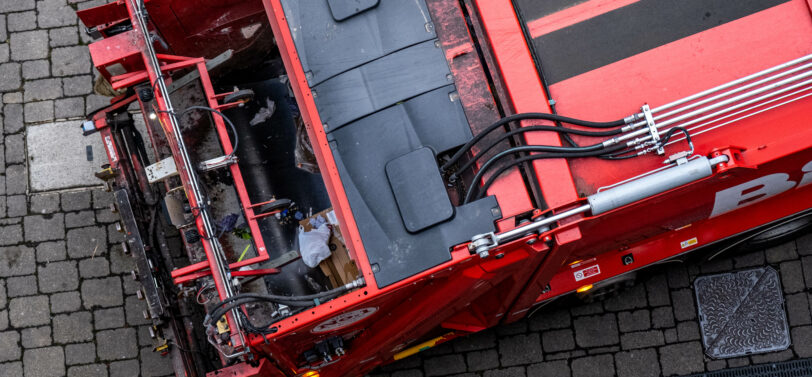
(742, 313)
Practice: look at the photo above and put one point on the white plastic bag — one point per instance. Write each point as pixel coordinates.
(313, 245)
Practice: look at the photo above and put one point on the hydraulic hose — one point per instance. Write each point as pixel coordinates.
(562, 130)
(527, 116)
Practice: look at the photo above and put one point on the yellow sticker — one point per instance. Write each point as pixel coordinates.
(689, 243)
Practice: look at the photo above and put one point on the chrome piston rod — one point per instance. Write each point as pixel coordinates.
(604, 201)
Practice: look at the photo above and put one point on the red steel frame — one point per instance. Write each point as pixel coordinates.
(469, 294)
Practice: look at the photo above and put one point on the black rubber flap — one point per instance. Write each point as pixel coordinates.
(344, 9)
(328, 47)
(419, 190)
(742, 313)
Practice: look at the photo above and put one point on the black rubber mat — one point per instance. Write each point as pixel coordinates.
(794, 368)
(742, 313)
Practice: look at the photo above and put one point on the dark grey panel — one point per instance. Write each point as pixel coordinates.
(633, 29)
(420, 193)
(328, 47)
(344, 9)
(380, 84)
(363, 148)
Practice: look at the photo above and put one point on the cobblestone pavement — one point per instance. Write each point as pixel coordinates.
(68, 305)
(67, 301)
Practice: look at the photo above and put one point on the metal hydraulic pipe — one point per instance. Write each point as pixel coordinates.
(722, 95)
(669, 122)
(732, 83)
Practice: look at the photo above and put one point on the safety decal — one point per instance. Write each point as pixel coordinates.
(587, 272)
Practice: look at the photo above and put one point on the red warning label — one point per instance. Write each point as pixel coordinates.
(587, 272)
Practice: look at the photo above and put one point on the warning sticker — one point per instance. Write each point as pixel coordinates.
(587, 272)
(689, 243)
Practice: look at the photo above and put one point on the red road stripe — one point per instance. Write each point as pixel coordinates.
(574, 15)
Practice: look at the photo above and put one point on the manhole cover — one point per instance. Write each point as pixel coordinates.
(742, 313)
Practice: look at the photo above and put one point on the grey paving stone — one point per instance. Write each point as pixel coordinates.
(407, 363)
(772, 357)
(126, 368)
(102, 199)
(104, 216)
(51, 251)
(55, 13)
(14, 369)
(482, 360)
(520, 349)
(587, 309)
(73, 328)
(682, 358)
(22, 21)
(658, 293)
(44, 362)
(145, 339)
(634, 321)
(87, 242)
(550, 320)
(594, 366)
(550, 368)
(16, 5)
(637, 363)
(12, 112)
(683, 301)
(557, 340)
(94, 102)
(21, 286)
(642, 339)
(102, 292)
(408, 373)
(45, 203)
(124, 263)
(29, 311)
(9, 346)
(792, 276)
(10, 77)
(714, 365)
(5, 52)
(16, 179)
(687, 331)
(3, 33)
(64, 36)
(39, 111)
(14, 97)
(631, 298)
(114, 235)
(79, 219)
(3, 295)
(443, 365)
(662, 317)
(749, 260)
(36, 337)
(782, 252)
(806, 264)
(58, 277)
(75, 200)
(93, 370)
(108, 318)
(81, 353)
(67, 61)
(670, 335)
(738, 362)
(442, 349)
(517, 327)
(17, 205)
(131, 286)
(477, 341)
(716, 265)
(596, 331)
(29, 45)
(135, 309)
(38, 90)
(677, 275)
(78, 85)
(3, 208)
(94, 267)
(15, 260)
(798, 309)
(117, 344)
(803, 244)
(802, 341)
(507, 372)
(69, 108)
(15, 149)
(9, 235)
(65, 302)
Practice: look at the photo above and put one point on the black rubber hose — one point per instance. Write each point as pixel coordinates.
(489, 182)
(537, 128)
(528, 116)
